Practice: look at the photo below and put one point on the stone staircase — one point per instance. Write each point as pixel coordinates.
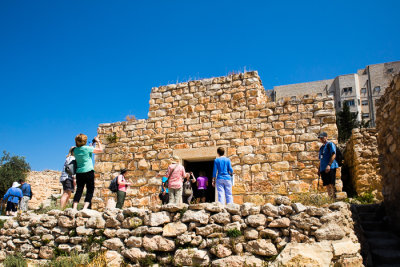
(381, 247)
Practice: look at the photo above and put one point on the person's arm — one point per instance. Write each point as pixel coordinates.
(207, 183)
(120, 182)
(193, 180)
(214, 176)
(328, 167)
(6, 196)
(98, 146)
(230, 170)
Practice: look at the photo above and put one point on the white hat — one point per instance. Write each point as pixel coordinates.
(15, 184)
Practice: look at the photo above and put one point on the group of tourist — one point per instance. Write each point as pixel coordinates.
(176, 186)
(17, 197)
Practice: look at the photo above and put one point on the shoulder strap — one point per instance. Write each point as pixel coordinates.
(173, 170)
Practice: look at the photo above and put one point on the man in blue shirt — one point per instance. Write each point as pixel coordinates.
(327, 164)
(12, 196)
(27, 195)
(222, 177)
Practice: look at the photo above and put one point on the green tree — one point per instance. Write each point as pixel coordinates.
(346, 121)
(12, 168)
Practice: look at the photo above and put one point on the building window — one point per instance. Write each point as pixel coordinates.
(339, 104)
(319, 94)
(358, 101)
(306, 96)
(364, 103)
(363, 90)
(365, 115)
(347, 90)
(377, 89)
(349, 102)
(293, 97)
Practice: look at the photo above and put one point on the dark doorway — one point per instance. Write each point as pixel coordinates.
(207, 167)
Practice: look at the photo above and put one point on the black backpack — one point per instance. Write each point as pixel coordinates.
(339, 157)
(114, 185)
(338, 154)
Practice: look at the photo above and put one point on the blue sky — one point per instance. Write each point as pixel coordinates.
(66, 66)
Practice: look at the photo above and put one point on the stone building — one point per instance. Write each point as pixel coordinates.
(273, 146)
(358, 90)
(388, 119)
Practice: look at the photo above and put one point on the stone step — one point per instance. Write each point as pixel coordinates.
(380, 234)
(386, 256)
(387, 265)
(372, 225)
(369, 216)
(377, 243)
(367, 208)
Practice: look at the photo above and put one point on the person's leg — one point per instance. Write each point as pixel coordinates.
(89, 189)
(80, 183)
(166, 198)
(189, 199)
(64, 199)
(8, 208)
(120, 199)
(172, 193)
(221, 192)
(228, 191)
(24, 203)
(178, 196)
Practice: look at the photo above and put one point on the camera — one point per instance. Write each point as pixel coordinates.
(93, 141)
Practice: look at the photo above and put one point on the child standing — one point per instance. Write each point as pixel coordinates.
(67, 178)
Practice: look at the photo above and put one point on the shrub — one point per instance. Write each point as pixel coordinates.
(75, 259)
(98, 260)
(363, 199)
(12, 168)
(233, 233)
(2, 223)
(15, 261)
(112, 138)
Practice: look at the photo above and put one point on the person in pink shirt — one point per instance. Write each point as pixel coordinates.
(175, 174)
(202, 183)
(122, 188)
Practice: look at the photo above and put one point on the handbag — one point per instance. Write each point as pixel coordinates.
(187, 189)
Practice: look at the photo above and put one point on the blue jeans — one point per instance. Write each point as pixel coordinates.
(224, 188)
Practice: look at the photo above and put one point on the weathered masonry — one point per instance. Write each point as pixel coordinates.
(273, 146)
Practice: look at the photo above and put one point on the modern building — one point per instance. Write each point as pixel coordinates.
(358, 90)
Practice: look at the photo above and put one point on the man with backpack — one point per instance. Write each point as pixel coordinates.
(27, 195)
(327, 164)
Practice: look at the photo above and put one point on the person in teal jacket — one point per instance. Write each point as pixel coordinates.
(13, 196)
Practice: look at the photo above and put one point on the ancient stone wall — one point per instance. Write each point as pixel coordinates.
(44, 184)
(362, 159)
(273, 146)
(196, 235)
(388, 125)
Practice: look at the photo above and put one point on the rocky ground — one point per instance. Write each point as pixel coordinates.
(284, 234)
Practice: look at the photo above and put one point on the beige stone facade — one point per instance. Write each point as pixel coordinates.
(362, 158)
(388, 124)
(273, 146)
(43, 184)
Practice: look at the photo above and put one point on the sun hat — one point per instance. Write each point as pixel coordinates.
(175, 159)
(15, 184)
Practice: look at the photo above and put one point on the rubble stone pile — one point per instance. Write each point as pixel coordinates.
(195, 235)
